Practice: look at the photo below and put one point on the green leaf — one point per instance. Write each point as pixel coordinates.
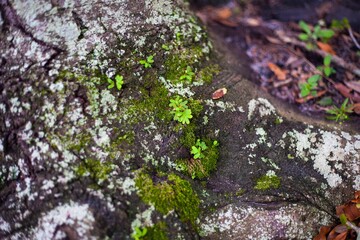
(326, 33)
(165, 47)
(150, 59)
(304, 27)
(119, 81)
(327, 60)
(327, 71)
(314, 93)
(343, 219)
(313, 79)
(111, 83)
(303, 36)
(304, 92)
(325, 101)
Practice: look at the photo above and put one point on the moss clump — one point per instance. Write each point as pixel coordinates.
(97, 170)
(157, 232)
(171, 194)
(207, 73)
(267, 181)
(202, 167)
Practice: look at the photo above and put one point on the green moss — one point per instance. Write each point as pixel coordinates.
(207, 73)
(202, 167)
(97, 170)
(267, 181)
(173, 193)
(157, 232)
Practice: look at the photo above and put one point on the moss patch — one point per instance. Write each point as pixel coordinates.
(202, 167)
(173, 193)
(97, 170)
(267, 181)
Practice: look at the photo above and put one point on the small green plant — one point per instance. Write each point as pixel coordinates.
(165, 47)
(340, 114)
(339, 25)
(147, 62)
(326, 69)
(188, 75)
(180, 109)
(139, 234)
(309, 87)
(310, 37)
(198, 148)
(118, 82)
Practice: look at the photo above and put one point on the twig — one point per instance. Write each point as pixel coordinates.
(353, 38)
(355, 228)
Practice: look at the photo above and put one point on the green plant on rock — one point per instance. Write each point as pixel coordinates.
(139, 233)
(188, 75)
(197, 150)
(326, 69)
(147, 62)
(118, 82)
(205, 154)
(174, 193)
(340, 114)
(180, 110)
(309, 87)
(311, 36)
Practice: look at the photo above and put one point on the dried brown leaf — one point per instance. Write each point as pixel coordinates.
(341, 236)
(326, 48)
(355, 85)
(323, 232)
(302, 100)
(280, 74)
(219, 93)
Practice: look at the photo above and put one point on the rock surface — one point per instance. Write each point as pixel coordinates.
(80, 159)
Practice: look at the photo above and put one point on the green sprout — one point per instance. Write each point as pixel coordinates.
(180, 109)
(310, 37)
(309, 87)
(118, 82)
(147, 62)
(340, 114)
(139, 234)
(326, 69)
(198, 148)
(165, 47)
(339, 25)
(188, 75)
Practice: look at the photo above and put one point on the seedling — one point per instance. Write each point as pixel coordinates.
(188, 75)
(139, 234)
(326, 69)
(198, 148)
(310, 37)
(340, 114)
(181, 111)
(165, 47)
(118, 82)
(310, 86)
(147, 62)
(339, 25)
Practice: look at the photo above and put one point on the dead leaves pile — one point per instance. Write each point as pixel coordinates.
(349, 228)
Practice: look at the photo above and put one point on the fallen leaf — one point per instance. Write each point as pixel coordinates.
(336, 231)
(219, 93)
(356, 109)
(355, 85)
(341, 236)
(223, 13)
(345, 91)
(326, 48)
(323, 232)
(280, 74)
